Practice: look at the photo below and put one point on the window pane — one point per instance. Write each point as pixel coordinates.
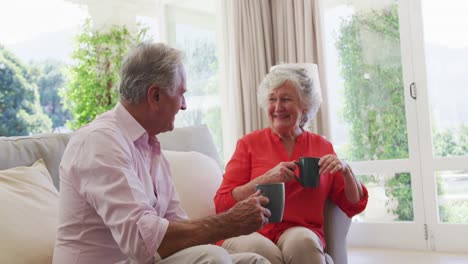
(43, 54)
(447, 74)
(390, 198)
(196, 36)
(151, 25)
(40, 47)
(364, 77)
(452, 194)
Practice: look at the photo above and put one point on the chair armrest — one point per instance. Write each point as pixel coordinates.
(336, 226)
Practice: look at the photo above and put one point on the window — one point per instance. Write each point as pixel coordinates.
(40, 48)
(45, 53)
(366, 99)
(42, 51)
(192, 28)
(396, 72)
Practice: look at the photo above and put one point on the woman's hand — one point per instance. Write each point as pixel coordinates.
(353, 188)
(332, 164)
(283, 172)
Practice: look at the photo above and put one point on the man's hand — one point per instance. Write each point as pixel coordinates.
(245, 217)
(248, 215)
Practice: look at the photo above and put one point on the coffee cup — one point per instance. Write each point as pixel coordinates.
(309, 176)
(275, 194)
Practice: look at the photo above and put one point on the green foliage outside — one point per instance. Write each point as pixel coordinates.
(374, 107)
(21, 112)
(451, 142)
(202, 65)
(368, 179)
(398, 189)
(452, 210)
(50, 78)
(373, 95)
(93, 77)
(202, 81)
(454, 213)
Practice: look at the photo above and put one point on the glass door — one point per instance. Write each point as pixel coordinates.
(373, 118)
(443, 120)
(397, 75)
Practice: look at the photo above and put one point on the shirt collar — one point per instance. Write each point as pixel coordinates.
(132, 128)
(277, 138)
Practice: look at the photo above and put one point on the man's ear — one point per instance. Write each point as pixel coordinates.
(153, 93)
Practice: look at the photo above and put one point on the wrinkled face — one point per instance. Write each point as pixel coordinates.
(284, 108)
(171, 104)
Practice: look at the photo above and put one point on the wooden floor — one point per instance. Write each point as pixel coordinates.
(377, 256)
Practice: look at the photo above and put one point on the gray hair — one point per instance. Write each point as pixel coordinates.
(304, 77)
(147, 64)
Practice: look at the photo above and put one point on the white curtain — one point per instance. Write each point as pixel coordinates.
(248, 55)
(296, 27)
(257, 35)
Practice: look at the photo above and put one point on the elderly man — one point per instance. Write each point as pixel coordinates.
(118, 203)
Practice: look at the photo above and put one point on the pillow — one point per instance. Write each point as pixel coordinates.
(193, 138)
(197, 177)
(29, 210)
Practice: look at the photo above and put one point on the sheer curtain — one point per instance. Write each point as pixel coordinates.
(259, 34)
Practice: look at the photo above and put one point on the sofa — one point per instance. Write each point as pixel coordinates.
(29, 181)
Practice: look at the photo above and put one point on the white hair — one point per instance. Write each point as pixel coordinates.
(147, 64)
(304, 77)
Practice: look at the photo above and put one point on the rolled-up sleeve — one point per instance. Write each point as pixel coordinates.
(338, 196)
(151, 232)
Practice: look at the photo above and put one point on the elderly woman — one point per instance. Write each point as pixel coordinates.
(290, 98)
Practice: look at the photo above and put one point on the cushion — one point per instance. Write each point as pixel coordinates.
(28, 214)
(197, 177)
(25, 150)
(194, 138)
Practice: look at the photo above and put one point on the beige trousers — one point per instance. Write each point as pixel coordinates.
(210, 254)
(297, 245)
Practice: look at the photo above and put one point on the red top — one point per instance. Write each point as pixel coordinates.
(260, 151)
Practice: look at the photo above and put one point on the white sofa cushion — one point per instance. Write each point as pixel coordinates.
(28, 214)
(194, 138)
(25, 150)
(197, 178)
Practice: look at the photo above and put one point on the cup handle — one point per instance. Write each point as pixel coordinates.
(298, 179)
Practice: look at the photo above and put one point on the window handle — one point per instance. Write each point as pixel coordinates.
(412, 90)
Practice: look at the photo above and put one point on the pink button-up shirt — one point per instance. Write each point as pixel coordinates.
(116, 194)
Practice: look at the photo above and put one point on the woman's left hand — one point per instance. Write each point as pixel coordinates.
(332, 164)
